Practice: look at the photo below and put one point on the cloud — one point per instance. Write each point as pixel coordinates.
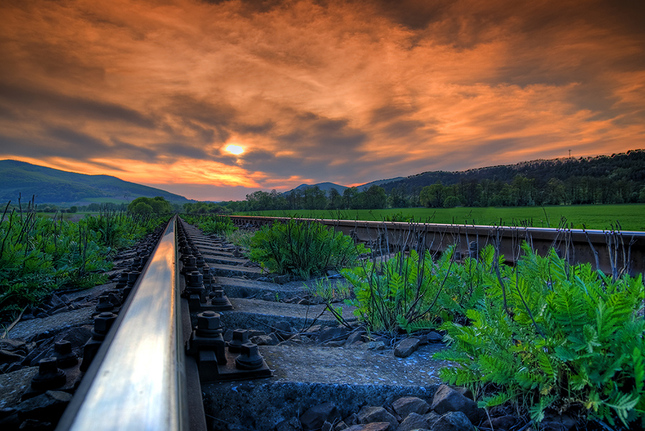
(337, 90)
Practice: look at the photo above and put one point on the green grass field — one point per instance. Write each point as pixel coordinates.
(630, 216)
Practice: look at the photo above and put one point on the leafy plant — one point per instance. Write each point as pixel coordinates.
(413, 292)
(304, 249)
(567, 339)
(41, 254)
(240, 238)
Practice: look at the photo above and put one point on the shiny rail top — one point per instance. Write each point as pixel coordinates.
(138, 382)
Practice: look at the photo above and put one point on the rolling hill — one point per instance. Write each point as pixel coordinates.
(54, 186)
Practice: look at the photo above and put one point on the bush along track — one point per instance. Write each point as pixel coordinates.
(554, 338)
(211, 224)
(540, 339)
(39, 255)
(303, 249)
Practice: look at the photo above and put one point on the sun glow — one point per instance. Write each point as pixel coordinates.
(235, 149)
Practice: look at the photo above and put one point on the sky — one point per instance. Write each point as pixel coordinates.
(215, 99)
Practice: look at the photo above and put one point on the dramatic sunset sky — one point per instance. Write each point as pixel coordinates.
(165, 93)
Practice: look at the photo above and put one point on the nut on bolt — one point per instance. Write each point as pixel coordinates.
(63, 353)
(49, 375)
(102, 324)
(249, 358)
(208, 324)
(240, 336)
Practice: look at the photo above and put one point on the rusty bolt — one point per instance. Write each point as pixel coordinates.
(208, 320)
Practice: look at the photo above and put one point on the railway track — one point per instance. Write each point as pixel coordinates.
(610, 251)
(166, 343)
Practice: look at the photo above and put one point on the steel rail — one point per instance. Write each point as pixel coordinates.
(137, 380)
(606, 250)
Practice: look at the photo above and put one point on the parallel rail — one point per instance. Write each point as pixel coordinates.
(137, 381)
(610, 251)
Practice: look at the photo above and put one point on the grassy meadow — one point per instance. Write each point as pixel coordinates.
(630, 216)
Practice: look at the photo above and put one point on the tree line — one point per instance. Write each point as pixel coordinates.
(521, 191)
(615, 179)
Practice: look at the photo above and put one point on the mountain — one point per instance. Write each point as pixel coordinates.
(325, 187)
(61, 187)
(629, 166)
(366, 186)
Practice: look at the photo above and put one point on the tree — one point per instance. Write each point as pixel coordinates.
(158, 205)
(140, 208)
(555, 192)
(350, 196)
(335, 200)
(315, 198)
(432, 196)
(451, 202)
(374, 198)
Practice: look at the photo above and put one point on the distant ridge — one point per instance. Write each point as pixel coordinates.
(325, 187)
(54, 186)
(625, 166)
(366, 186)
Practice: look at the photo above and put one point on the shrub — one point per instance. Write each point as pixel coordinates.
(211, 224)
(412, 293)
(564, 338)
(40, 254)
(303, 249)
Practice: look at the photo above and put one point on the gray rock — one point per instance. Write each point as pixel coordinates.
(334, 334)
(351, 419)
(283, 328)
(375, 345)
(413, 421)
(465, 392)
(315, 417)
(447, 400)
(339, 343)
(340, 426)
(292, 424)
(355, 336)
(44, 407)
(7, 357)
(406, 405)
(17, 346)
(327, 426)
(78, 335)
(431, 418)
(13, 385)
(376, 414)
(266, 340)
(373, 426)
(434, 337)
(453, 421)
(406, 347)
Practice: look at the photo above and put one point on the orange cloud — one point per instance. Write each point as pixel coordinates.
(342, 91)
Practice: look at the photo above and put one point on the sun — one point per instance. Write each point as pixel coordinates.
(235, 149)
